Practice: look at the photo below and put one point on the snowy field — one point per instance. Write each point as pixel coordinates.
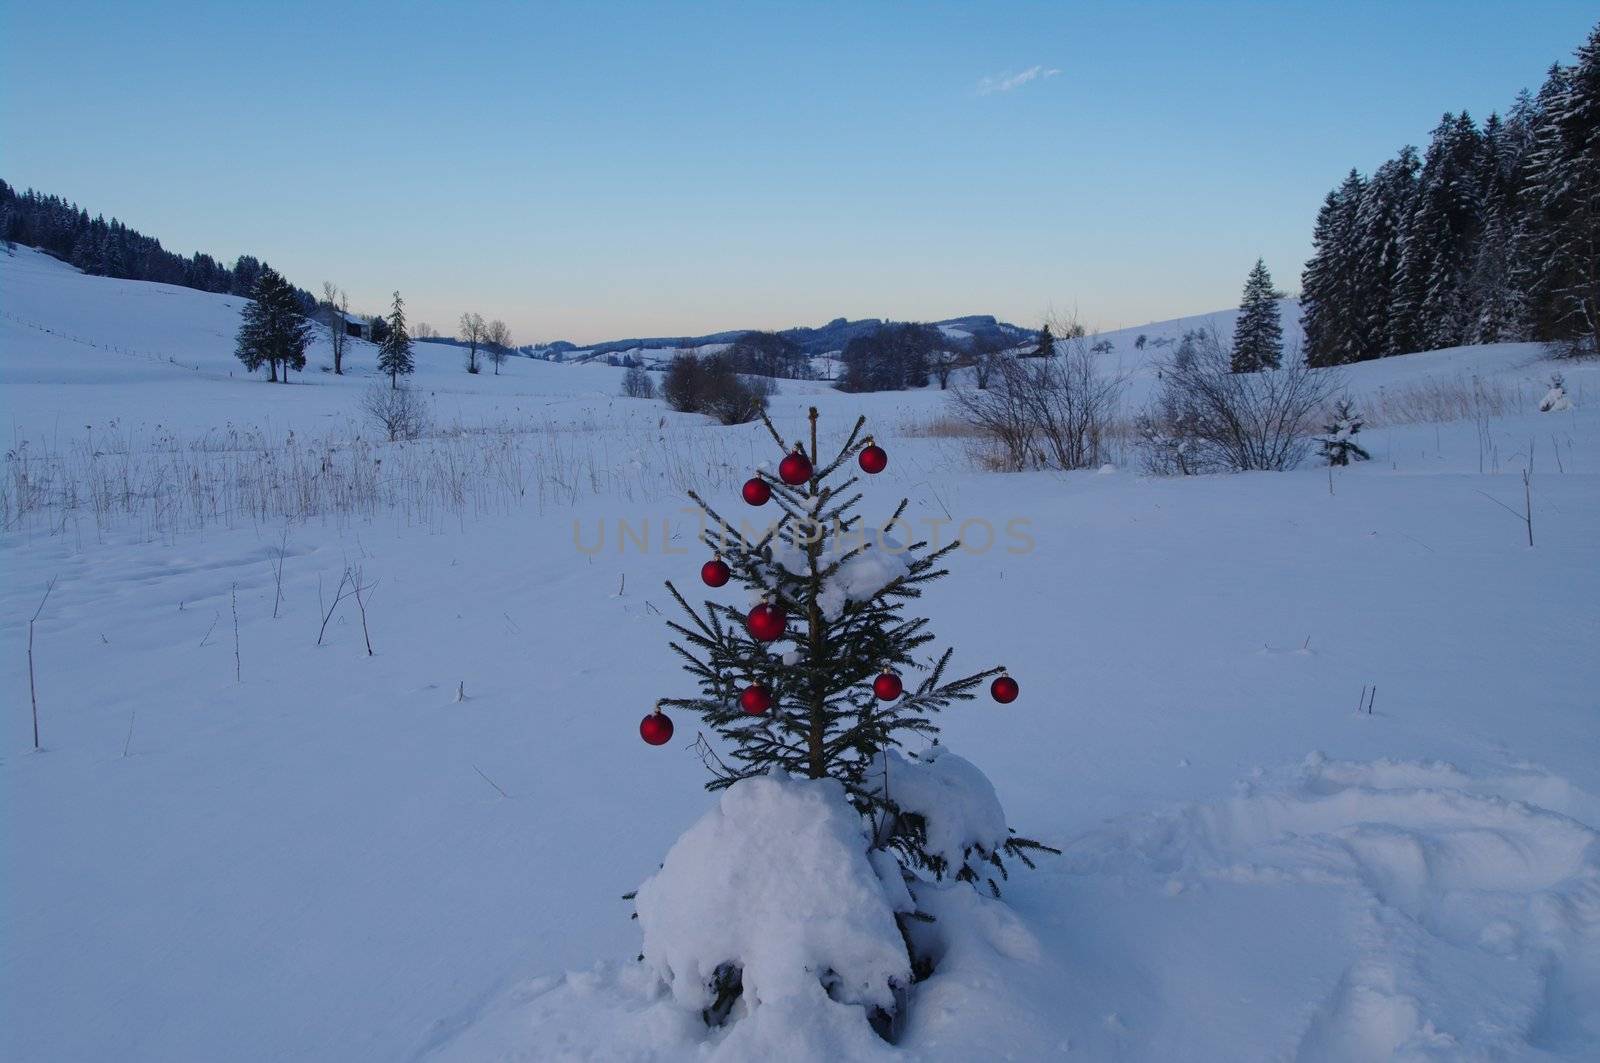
(262, 848)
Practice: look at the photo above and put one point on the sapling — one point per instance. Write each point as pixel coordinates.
(339, 595)
(1338, 445)
(33, 690)
(362, 596)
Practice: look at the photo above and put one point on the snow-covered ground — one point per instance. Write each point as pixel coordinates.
(332, 857)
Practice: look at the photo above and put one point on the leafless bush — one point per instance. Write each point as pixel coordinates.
(1053, 413)
(711, 385)
(637, 383)
(399, 411)
(1207, 418)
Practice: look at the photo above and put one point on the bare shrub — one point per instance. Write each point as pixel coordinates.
(1049, 413)
(401, 412)
(637, 383)
(711, 385)
(1207, 418)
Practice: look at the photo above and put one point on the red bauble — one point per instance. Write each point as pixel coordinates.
(756, 492)
(1004, 690)
(795, 469)
(656, 728)
(873, 459)
(766, 622)
(888, 686)
(755, 699)
(715, 572)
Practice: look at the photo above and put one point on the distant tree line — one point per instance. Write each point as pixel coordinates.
(769, 354)
(891, 358)
(1493, 235)
(111, 249)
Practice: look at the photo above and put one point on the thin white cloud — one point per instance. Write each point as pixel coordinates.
(1008, 81)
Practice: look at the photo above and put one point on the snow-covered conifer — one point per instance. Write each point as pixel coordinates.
(1258, 335)
(1338, 444)
(394, 356)
(272, 330)
(1327, 284)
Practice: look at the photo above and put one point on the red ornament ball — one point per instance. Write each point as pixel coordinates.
(766, 622)
(888, 686)
(1004, 690)
(795, 469)
(656, 728)
(873, 459)
(756, 492)
(755, 699)
(715, 572)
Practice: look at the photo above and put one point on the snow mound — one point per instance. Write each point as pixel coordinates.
(1329, 910)
(1555, 400)
(1476, 914)
(956, 801)
(775, 880)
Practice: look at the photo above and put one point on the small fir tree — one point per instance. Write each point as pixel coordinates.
(817, 690)
(272, 330)
(1258, 337)
(1339, 446)
(1046, 347)
(394, 357)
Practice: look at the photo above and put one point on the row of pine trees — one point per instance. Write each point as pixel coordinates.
(111, 249)
(1491, 236)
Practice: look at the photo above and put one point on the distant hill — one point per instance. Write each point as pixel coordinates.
(817, 341)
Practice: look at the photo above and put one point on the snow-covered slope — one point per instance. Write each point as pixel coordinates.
(267, 848)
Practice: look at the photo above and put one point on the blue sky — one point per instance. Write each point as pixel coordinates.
(590, 171)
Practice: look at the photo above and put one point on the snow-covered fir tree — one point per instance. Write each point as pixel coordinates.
(272, 330)
(1327, 299)
(1437, 254)
(809, 691)
(1338, 444)
(833, 592)
(1386, 203)
(1258, 335)
(394, 356)
(1492, 290)
(1566, 191)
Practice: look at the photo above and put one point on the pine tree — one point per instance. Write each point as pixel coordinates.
(1046, 346)
(1386, 202)
(1258, 335)
(809, 701)
(1338, 445)
(272, 330)
(1327, 299)
(1437, 253)
(394, 356)
(1567, 187)
(1492, 284)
